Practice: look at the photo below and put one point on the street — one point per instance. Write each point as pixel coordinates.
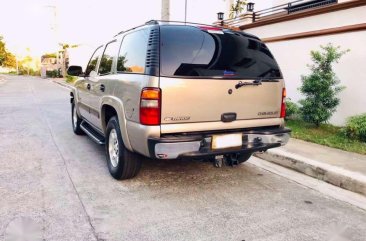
(60, 182)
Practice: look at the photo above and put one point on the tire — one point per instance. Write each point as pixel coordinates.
(122, 163)
(76, 121)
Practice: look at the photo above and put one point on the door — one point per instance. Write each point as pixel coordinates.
(208, 73)
(86, 85)
(102, 82)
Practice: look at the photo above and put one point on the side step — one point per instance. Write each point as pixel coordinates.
(93, 134)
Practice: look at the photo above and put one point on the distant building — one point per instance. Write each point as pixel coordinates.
(291, 29)
(51, 63)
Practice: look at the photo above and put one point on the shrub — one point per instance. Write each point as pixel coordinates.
(321, 87)
(52, 73)
(70, 79)
(292, 109)
(356, 127)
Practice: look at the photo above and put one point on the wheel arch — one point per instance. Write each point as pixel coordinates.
(74, 99)
(110, 106)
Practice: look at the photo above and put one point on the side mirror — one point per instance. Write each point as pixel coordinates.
(74, 70)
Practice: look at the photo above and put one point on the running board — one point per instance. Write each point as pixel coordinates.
(93, 134)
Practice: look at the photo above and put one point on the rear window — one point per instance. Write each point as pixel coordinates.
(193, 52)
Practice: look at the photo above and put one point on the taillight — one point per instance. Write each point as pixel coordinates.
(283, 103)
(150, 105)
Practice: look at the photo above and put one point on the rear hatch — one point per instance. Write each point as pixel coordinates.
(208, 72)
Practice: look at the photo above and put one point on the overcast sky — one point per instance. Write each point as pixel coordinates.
(29, 23)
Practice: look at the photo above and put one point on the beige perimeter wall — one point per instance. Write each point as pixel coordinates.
(294, 55)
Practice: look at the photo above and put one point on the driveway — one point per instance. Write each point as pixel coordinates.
(57, 185)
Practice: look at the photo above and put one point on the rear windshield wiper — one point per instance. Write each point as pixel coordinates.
(255, 82)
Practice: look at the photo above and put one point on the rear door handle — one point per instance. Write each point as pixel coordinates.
(102, 88)
(88, 86)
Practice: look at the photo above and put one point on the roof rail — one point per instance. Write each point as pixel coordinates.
(152, 22)
(181, 22)
(156, 22)
(130, 29)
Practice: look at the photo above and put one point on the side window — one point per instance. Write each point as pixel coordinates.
(132, 55)
(105, 66)
(92, 65)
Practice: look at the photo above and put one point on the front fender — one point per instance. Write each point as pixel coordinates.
(73, 94)
(74, 98)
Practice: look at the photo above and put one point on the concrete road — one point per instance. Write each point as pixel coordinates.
(56, 186)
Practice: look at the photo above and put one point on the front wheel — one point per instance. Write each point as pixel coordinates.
(122, 163)
(76, 121)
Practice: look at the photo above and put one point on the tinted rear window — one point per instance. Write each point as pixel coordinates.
(192, 52)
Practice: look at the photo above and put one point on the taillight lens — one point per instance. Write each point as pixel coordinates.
(150, 106)
(283, 104)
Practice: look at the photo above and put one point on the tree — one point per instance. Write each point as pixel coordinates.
(237, 8)
(321, 86)
(2, 51)
(7, 59)
(10, 61)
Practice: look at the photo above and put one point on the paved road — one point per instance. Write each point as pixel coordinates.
(56, 185)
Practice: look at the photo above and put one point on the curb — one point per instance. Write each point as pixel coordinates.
(352, 181)
(62, 84)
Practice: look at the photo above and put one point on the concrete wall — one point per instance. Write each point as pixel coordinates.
(294, 55)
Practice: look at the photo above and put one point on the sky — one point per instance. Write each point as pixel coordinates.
(40, 25)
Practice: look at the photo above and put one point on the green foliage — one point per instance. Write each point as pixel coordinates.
(321, 87)
(49, 55)
(325, 134)
(2, 51)
(52, 73)
(237, 8)
(292, 109)
(10, 61)
(121, 64)
(25, 66)
(27, 71)
(7, 59)
(356, 127)
(70, 79)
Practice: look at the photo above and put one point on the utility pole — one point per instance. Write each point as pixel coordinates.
(54, 28)
(165, 10)
(185, 11)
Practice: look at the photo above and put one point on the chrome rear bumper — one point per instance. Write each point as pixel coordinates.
(199, 145)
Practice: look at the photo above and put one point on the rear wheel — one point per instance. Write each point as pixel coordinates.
(243, 157)
(122, 163)
(76, 121)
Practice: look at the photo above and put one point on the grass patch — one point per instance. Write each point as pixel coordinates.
(70, 79)
(327, 135)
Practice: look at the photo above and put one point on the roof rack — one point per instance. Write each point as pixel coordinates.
(153, 21)
(157, 22)
(129, 29)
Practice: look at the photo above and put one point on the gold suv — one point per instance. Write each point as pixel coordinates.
(169, 90)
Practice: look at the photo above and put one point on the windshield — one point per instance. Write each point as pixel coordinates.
(192, 52)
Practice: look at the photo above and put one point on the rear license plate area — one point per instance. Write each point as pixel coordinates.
(226, 141)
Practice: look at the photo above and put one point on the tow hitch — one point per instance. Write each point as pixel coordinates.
(228, 160)
(232, 159)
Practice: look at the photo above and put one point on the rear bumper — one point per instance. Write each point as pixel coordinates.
(187, 146)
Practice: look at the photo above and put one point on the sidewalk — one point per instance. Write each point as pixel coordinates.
(344, 169)
(62, 82)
